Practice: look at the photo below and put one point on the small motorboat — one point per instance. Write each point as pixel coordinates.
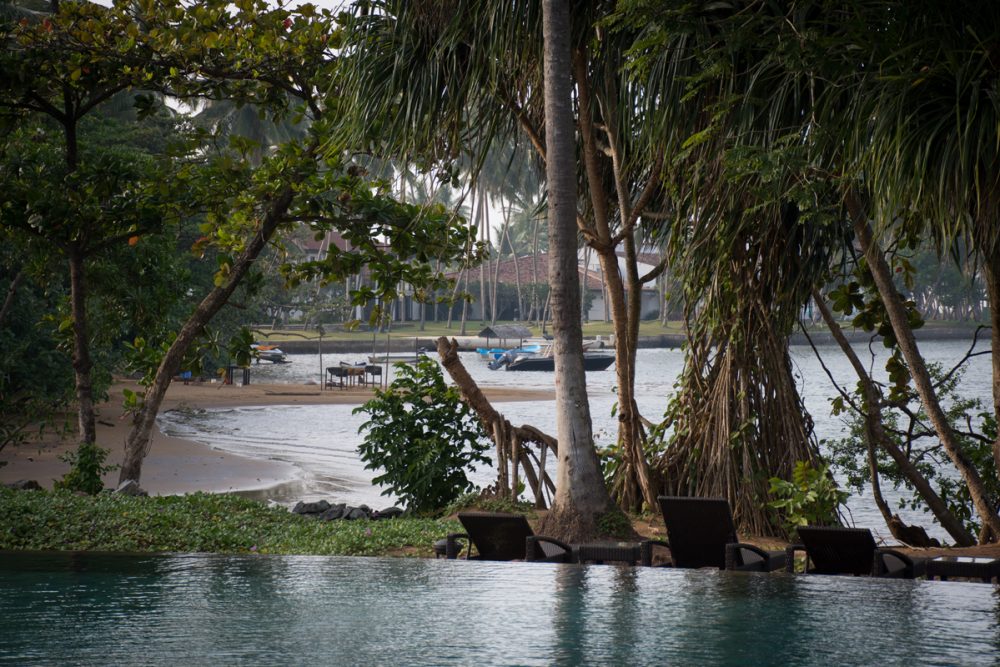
(397, 357)
(270, 353)
(546, 361)
(494, 353)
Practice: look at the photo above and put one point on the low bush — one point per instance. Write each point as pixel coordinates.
(422, 438)
(86, 469)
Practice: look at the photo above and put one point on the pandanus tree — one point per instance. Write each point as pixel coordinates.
(747, 237)
(892, 120)
(922, 160)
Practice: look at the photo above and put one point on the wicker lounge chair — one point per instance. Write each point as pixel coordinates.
(837, 550)
(499, 536)
(701, 533)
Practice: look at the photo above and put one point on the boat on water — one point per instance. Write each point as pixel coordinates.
(397, 357)
(493, 353)
(546, 361)
(270, 353)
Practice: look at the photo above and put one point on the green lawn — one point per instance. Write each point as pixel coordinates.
(435, 329)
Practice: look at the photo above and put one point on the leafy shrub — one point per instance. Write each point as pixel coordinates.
(423, 437)
(810, 499)
(86, 469)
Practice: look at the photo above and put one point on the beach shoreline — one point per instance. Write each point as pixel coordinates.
(176, 466)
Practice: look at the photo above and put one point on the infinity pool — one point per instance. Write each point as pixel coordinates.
(95, 609)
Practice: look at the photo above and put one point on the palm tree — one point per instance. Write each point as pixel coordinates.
(437, 83)
(227, 118)
(581, 497)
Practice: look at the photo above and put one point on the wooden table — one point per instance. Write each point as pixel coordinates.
(967, 567)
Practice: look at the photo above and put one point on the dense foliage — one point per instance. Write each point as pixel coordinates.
(86, 468)
(200, 522)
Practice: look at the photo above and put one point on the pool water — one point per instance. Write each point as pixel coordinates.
(62, 608)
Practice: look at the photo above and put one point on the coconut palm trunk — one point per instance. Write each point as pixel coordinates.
(581, 496)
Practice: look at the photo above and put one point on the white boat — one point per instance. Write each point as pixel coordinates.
(397, 357)
(270, 353)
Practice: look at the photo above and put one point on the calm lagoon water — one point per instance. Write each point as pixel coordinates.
(90, 609)
(321, 441)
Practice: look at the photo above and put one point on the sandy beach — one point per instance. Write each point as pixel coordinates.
(177, 466)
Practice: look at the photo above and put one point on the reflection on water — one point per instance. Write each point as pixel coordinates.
(170, 610)
(322, 440)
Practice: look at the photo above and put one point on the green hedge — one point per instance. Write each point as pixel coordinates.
(200, 522)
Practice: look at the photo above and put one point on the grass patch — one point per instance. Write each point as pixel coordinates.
(199, 522)
(408, 330)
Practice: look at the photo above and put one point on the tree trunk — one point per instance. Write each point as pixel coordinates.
(896, 310)
(82, 363)
(465, 306)
(581, 496)
(991, 276)
(633, 484)
(140, 436)
(496, 266)
(483, 224)
(8, 301)
(517, 277)
(535, 301)
(876, 435)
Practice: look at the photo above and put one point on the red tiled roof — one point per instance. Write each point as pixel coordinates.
(526, 268)
(310, 243)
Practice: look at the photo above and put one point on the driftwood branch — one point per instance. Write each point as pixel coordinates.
(509, 439)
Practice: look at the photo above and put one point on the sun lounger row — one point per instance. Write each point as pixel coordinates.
(701, 534)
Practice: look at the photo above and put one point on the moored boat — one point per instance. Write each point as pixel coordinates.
(397, 357)
(270, 353)
(493, 353)
(546, 361)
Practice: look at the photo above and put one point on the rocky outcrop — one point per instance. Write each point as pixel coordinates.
(324, 511)
(24, 485)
